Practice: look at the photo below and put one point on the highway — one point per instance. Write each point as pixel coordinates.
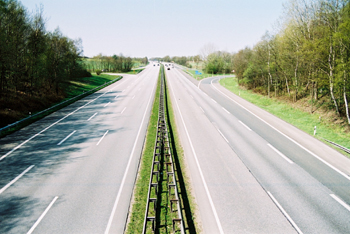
(252, 172)
(74, 170)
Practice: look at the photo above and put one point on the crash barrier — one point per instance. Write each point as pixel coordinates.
(162, 169)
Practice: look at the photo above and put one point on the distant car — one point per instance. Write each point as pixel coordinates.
(168, 68)
(154, 65)
(158, 64)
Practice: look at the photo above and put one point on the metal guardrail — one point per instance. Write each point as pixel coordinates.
(339, 146)
(162, 163)
(61, 104)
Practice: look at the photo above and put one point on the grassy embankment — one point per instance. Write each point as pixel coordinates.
(164, 222)
(21, 105)
(296, 114)
(75, 88)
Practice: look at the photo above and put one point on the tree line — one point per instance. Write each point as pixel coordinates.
(308, 56)
(33, 60)
(181, 60)
(115, 63)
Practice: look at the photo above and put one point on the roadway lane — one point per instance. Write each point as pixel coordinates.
(78, 174)
(306, 190)
(229, 198)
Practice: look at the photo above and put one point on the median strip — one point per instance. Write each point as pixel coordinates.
(163, 203)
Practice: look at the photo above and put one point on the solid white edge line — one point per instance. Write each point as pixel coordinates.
(42, 216)
(107, 104)
(282, 155)
(92, 116)
(123, 110)
(127, 168)
(200, 170)
(15, 179)
(102, 137)
(66, 138)
(213, 100)
(199, 84)
(313, 154)
(202, 109)
(245, 125)
(24, 142)
(284, 213)
(346, 206)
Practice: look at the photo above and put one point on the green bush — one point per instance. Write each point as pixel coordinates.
(98, 72)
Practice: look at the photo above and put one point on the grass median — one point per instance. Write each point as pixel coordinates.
(139, 200)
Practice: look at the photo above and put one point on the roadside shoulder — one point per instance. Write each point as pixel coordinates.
(314, 145)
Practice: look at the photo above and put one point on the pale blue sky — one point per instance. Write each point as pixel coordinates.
(151, 28)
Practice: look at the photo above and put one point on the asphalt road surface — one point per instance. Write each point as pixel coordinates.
(74, 171)
(252, 172)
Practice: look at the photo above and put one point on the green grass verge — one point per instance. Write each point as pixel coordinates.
(301, 119)
(135, 222)
(135, 71)
(77, 87)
